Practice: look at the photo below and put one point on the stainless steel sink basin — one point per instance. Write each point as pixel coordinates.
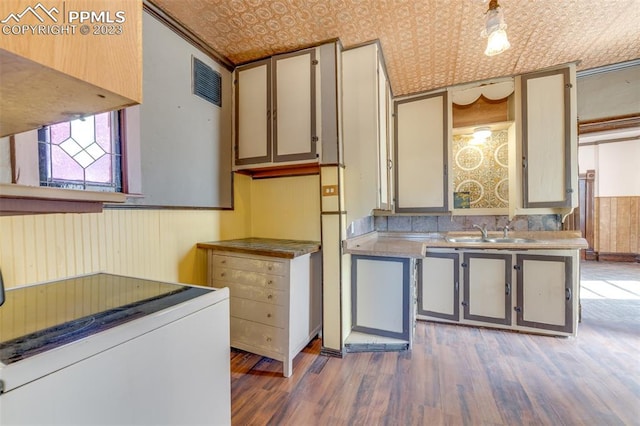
(510, 240)
(465, 240)
(477, 240)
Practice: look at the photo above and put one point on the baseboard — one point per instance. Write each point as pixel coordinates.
(618, 257)
(589, 254)
(334, 353)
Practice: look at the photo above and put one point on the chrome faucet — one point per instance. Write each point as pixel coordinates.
(483, 230)
(505, 230)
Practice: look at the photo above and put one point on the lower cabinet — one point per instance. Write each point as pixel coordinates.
(381, 302)
(487, 287)
(438, 287)
(542, 289)
(546, 294)
(274, 303)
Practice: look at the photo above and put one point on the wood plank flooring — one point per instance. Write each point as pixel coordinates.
(460, 376)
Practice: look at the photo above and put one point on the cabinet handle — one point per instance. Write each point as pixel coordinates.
(268, 315)
(268, 339)
(270, 282)
(223, 261)
(464, 303)
(508, 289)
(270, 267)
(222, 274)
(517, 309)
(517, 267)
(568, 293)
(270, 296)
(456, 286)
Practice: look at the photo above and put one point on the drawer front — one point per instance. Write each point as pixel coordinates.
(247, 264)
(260, 294)
(264, 313)
(259, 335)
(227, 275)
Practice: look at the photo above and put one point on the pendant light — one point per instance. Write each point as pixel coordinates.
(495, 30)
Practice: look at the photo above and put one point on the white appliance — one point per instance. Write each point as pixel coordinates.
(105, 349)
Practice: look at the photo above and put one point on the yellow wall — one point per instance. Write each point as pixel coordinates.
(154, 244)
(286, 207)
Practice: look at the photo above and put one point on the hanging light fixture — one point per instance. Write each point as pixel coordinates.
(495, 30)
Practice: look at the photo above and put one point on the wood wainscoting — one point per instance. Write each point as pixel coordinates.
(617, 236)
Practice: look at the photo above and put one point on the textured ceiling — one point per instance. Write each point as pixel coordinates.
(426, 43)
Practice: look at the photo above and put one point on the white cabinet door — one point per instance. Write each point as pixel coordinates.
(381, 296)
(545, 292)
(421, 126)
(294, 106)
(547, 138)
(253, 113)
(438, 286)
(487, 287)
(384, 139)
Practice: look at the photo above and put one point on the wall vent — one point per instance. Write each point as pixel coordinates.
(207, 83)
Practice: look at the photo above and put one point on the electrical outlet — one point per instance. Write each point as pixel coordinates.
(329, 190)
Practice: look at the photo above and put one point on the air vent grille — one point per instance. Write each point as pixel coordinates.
(207, 83)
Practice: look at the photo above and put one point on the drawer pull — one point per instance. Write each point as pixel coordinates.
(270, 296)
(270, 282)
(268, 339)
(223, 274)
(270, 267)
(223, 261)
(268, 315)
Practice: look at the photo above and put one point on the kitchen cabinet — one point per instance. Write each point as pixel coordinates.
(548, 139)
(365, 127)
(38, 86)
(540, 287)
(381, 296)
(438, 287)
(274, 302)
(421, 153)
(276, 109)
(545, 292)
(487, 287)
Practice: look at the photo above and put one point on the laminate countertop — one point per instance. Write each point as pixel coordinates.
(285, 249)
(416, 244)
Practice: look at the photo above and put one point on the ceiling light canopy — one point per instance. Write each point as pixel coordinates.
(480, 135)
(495, 30)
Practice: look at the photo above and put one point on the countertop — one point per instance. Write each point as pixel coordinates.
(415, 244)
(285, 249)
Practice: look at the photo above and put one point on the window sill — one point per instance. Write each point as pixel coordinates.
(23, 199)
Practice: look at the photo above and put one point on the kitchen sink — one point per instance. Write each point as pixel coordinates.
(510, 240)
(478, 240)
(465, 240)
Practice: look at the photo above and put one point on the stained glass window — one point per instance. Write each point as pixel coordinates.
(82, 154)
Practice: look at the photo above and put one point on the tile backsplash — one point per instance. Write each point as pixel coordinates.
(550, 222)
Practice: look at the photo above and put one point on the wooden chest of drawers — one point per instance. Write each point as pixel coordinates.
(275, 303)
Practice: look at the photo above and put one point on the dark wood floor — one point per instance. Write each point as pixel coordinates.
(459, 376)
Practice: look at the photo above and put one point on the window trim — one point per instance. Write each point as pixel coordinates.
(25, 196)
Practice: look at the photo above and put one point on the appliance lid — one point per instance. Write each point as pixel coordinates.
(38, 318)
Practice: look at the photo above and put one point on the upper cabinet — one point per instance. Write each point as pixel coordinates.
(548, 138)
(526, 163)
(279, 108)
(366, 115)
(421, 153)
(100, 70)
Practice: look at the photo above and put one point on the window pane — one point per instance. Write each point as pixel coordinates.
(82, 154)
